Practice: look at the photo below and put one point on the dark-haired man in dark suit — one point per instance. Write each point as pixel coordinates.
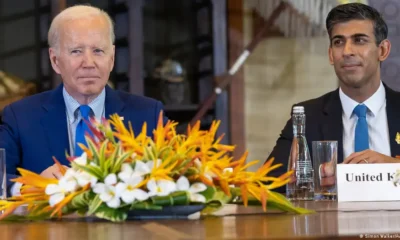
(362, 114)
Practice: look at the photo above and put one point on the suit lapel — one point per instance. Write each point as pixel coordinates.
(332, 125)
(54, 120)
(55, 125)
(113, 103)
(393, 118)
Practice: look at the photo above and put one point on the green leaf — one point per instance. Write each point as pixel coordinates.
(211, 207)
(154, 152)
(92, 170)
(80, 201)
(176, 198)
(164, 151)
(82, 211)
(278, 201)
(67, 210)
(275, 201)
(118, 163)
(38, 208)
(189, 150)
(93, 149)
(111, 160)
(173, 140)
(108, 133)
(209, 193)
(181, 198)
(221, 196)
(183, 163)
(216, 199)
(111, 214)
(94, 205)
(191, 171)
(236, 192)
(149, 153)
(102, 155)
(145, 206)
(24, 218)
(107, 166)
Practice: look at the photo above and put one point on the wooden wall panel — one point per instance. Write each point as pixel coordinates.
(236, 89)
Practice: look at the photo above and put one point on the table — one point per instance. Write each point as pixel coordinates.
(332, 219)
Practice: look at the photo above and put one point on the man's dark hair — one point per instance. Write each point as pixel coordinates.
(357, 11)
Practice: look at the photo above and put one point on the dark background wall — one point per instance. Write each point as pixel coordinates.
(23, 39)
(390, 9)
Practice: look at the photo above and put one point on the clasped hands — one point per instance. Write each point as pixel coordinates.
(53, 172)
(50, 172)
(369, 156)
(327, 171)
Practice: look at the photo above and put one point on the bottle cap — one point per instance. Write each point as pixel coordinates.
(298, 109)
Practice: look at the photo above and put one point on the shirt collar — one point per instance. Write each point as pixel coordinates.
(97, 106)
(373, 103)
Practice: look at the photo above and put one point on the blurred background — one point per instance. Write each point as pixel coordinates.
(177, 50)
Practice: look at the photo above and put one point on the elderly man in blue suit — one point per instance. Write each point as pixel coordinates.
(82, 51)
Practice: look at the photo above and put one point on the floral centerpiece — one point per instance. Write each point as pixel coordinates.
(121, 171)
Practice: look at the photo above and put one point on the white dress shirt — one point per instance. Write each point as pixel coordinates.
(97, 107)
(378, 130)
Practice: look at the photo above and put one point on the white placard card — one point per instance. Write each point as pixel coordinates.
(367, 182)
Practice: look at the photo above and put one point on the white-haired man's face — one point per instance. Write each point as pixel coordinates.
(85, 56)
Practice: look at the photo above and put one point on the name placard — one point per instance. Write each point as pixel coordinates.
(367, 182)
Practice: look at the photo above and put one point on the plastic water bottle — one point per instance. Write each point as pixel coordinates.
(301, 185)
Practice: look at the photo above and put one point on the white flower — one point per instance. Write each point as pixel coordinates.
(183, 185)
(142, 168)
(207, 172)
(227, 170)
(108, 192)
(396, 178)
(80, 178)
(82, 160)
(127, 172)
(129, 191)
(58, 191)
(69, 179)
(153, 164)
(83, 178)
(194, 216)
(160, 187)
(131, 178)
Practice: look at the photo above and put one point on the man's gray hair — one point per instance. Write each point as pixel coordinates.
(73, 13)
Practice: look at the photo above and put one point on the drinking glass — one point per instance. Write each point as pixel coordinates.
(324, 164)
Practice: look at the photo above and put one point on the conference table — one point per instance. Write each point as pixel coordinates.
(331, 220)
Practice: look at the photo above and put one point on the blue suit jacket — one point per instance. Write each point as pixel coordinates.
(35, 128)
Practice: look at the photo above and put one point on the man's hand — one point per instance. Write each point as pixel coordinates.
(369, 156)
(327, 174)
(52, 172)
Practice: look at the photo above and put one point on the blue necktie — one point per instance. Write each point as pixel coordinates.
(81, 129)
(361, 134)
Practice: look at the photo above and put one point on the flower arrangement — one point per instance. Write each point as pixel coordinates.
(120, 172)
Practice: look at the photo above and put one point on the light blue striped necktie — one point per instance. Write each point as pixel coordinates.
(81, 129)
(361, 138)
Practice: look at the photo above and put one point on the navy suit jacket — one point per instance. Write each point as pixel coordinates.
(34, 129)
(324, 122)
